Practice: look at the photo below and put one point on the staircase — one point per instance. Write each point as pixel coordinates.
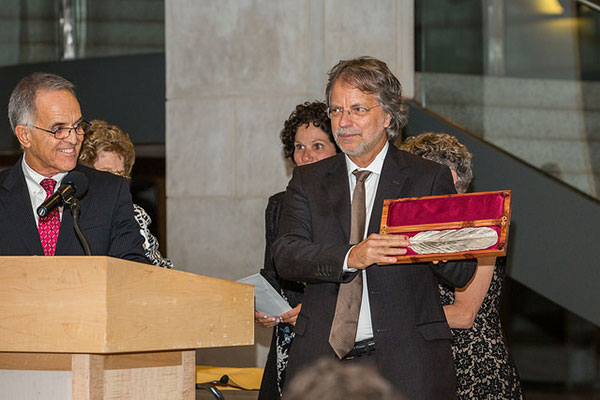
(551, 124)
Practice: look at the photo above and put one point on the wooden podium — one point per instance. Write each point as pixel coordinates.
(126, 330)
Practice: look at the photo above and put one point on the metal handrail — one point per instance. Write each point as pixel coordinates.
(594, 6)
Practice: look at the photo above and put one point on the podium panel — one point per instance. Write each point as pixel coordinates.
(125, 330)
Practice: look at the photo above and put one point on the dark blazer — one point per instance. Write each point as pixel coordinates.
(412, 337)
(106, 218)
(273, 379)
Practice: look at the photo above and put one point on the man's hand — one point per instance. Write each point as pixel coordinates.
(291, 316)
(377, 249)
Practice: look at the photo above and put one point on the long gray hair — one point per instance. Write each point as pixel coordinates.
(373, 76)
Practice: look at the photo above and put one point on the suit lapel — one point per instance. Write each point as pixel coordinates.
(338, 192)
(66, 232)
(391, 182)
(18, 204)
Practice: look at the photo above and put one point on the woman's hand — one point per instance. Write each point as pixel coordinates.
(266, 320)
(269, 321)
(291, 316)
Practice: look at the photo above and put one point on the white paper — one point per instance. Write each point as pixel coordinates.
(266, 299)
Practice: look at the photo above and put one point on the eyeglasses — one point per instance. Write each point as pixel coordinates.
(356, 111)
(62, 132)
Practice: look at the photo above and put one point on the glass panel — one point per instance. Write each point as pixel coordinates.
(525, 76)
(28, 31)
(117, 27)
(41, 30)
(522, 74)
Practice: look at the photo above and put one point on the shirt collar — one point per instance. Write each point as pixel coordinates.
(34, 178)
(376, 165)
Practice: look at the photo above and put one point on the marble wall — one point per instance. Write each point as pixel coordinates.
(235, 70)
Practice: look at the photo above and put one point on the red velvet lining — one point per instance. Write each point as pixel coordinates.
(447, 209)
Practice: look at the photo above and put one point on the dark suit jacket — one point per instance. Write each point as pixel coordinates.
(106, 218)
(411, 334)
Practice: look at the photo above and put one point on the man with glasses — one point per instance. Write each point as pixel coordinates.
(47, 121)
(354, 310)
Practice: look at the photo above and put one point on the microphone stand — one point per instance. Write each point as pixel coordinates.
(73, 204)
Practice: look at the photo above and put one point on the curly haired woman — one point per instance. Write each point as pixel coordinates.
(306, 138)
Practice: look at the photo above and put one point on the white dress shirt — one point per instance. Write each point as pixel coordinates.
(365, 328)
(37, 194)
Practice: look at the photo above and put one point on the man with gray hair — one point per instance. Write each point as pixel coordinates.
(354, 310)
(46, 118)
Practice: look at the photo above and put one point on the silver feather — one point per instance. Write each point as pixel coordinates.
(453, 240)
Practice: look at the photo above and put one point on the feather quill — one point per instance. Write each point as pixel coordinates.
(453, 240)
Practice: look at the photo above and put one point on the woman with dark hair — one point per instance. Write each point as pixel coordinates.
(107, 148)
(484, 367)
(306, 138)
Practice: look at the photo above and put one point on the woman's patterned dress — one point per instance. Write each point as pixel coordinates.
(150, 242)
(484, 368)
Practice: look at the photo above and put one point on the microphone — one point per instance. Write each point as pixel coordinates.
(74, 185)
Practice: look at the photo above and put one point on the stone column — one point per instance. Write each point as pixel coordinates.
(235, 71)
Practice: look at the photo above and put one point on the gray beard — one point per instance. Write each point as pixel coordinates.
(361, 149)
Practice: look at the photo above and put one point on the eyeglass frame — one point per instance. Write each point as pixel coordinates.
(69, 128)
(351, 111)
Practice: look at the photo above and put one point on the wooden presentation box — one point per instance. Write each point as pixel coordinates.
(449, 214)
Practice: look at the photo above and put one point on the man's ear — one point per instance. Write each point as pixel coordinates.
(388, 120)
(23, 135)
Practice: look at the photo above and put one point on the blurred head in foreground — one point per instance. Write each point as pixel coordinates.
(333, 380)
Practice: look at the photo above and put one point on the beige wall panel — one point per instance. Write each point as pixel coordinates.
(316, 60)
(261, 169)
(383, 30)
(200, 139)
(234, 47)
(405, 45)
(219, 237)
(357, 28)
(38, 385)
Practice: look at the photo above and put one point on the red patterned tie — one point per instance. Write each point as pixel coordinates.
(48, 226)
